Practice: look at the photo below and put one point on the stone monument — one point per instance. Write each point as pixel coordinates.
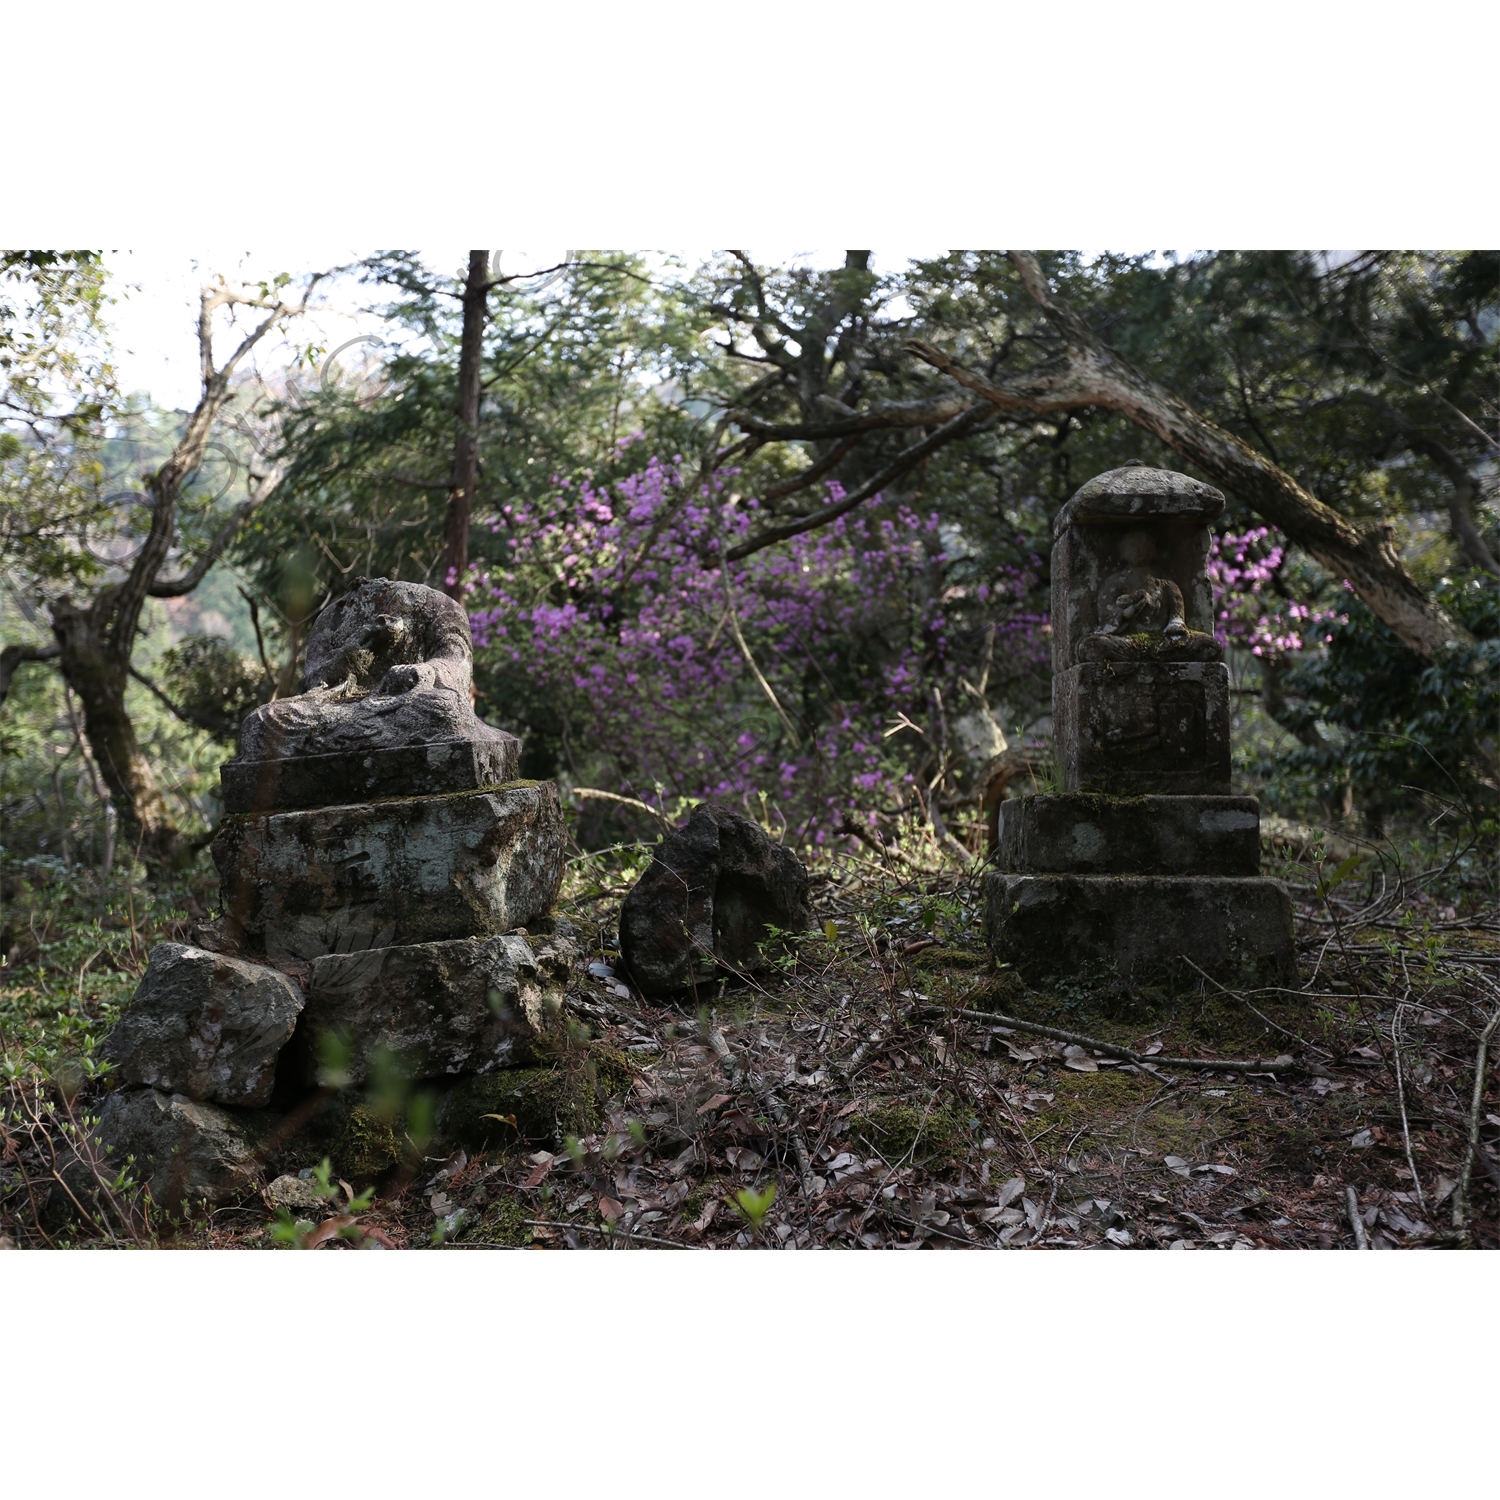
(377, 854)
(1143, 865)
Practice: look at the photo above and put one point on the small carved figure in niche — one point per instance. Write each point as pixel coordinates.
(1143, 614)
(389, 663)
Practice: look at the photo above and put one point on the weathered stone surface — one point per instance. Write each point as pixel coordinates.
(1138, 927)
(365, 775)
(1128, 562)
(1087, 834)
(1130, 729)
(184, 1150)
(389, 666)
(295, 1194)
(711, 892)
(435, 1008)
(1136, 492)
(205, 1025)
(297, 885)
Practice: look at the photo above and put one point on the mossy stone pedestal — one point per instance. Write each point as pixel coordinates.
(1144, 869)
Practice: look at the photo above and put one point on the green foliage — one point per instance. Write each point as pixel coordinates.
(753, 1205)
(1397, 724)
(213, 684)
(74, 945)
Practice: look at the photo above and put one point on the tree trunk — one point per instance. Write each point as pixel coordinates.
(99, 677)
(466, 446)
(1091, 374)
(1462, 495)
(95, 643)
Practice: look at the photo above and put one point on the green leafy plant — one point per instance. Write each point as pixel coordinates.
(753, 1205)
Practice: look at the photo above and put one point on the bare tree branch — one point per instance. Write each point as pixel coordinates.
(969, 419)
(11, 657)
(172, 588)
(878, 416)
(1089, 373)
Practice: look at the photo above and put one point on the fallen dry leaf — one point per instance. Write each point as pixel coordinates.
(329, 1230)
(610, 1209)
(1010, 1191)
(538, 1173)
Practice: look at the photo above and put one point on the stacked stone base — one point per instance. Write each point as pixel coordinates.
(367, 955)
(1142, 890)
(1141, 928)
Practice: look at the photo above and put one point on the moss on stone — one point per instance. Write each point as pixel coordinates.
(368, 1146)
(502, 1222)
(546, 1103)
(996, 991)
(949, 958)
(901, 1129)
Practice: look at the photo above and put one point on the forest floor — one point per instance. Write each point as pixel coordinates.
(885, 1086)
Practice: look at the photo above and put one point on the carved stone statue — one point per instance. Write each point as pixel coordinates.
(386, 709)
(1143, 616)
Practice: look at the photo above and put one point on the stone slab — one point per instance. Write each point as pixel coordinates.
(1083, 833)
(434, 1009)
(365, 775)
(1136, 493)
(205, 1025)
(184, 1150)
(1128, 729)
(1140, 928)
(297, 885)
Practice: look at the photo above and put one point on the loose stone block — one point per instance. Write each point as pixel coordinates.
(434, 1008)
(297, 885)
(1088, 834)
(714, 888)
(1129, 729)
(251, 786)
(205, 1025)
(184, 1150)
(1138, 927)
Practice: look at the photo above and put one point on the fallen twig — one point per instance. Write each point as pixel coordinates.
(1471, 1144)
(635, 802)
(1411, 1164)
(1356, 1223)
(1240, 996)
(1282, 1064)
(740, 1075)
